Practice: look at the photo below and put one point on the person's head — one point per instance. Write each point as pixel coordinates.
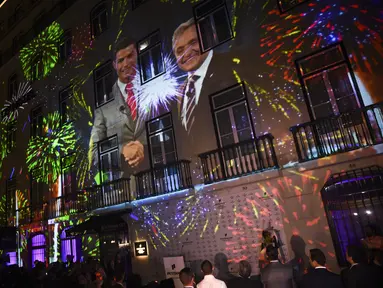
(266, 235)
(355, 254)
(186, 47)
(186, 277)
(271, 253)
(244, 269)
(207, 267)
(317, 258)
(119, 276)
(370, 231)
(125, 59)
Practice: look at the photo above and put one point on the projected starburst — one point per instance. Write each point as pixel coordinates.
(40, 56)
(45, 151)
(12, 107)
(162, 90)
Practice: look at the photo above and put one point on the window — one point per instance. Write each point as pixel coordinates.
(12, 87)
(11, 135)
(37, 122)
(99, 19)
(286, 5)
(328, 82)
(66, 46)
(161, 140)
(38, 245)
(70, 246)
(37, 69)
(150, 57)
(16, 44)
(65, 97)
(38, 188)
(352, 201)
(232, 116)
(68, 175)
(109, 159)
(213, 23)
(137, 3)
(103, 82)
(11, 197)
(16, 16)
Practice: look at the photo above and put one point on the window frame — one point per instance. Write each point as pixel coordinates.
(34, 116)
(283, 11)
(198, 18)
(73, 173)
(108, 151)
(37, 247)
(92, 17)
(149, 135)
(95, 80)
(214, 111)
(302, 76)
(148, 50)
(11, 185)
(67, 37)
(66, 99)
(34, 178)
(12, 80)
(78, 242)
(11, 135)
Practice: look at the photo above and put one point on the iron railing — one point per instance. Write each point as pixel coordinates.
(29, 214)
(163, 179)
(250, 156)
(68, 205)
(341, 133)
(353, 202)
(108, 194)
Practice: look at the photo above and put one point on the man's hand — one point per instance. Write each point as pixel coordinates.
(133, 153)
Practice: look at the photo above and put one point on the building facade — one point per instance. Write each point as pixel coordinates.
(251, 116)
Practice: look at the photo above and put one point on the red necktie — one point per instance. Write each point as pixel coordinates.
(131, 100)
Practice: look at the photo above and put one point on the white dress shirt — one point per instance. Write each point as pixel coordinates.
(201, 72)
(122, 87)
(209, 281)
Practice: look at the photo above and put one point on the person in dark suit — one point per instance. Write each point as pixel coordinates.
(187, 277)
(359, 274)
(276, 274)
(244, 280)
(120, 116)
(207, 73)
(320, 276)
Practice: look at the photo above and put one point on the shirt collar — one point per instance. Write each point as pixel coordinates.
(202, 70)
(320, 267)
(121, 85)
(209, 276)
(274, 261)
(354, 265)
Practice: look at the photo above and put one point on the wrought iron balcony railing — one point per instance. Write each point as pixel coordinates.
(341, 133)
(243, 158)
(29, 214)
(70, 204)
(163, 179)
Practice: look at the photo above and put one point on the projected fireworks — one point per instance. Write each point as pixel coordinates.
(40, 56)
(45, 151)
(16, 104)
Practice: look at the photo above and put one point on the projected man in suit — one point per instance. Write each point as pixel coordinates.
(121, 116)
(207, 73)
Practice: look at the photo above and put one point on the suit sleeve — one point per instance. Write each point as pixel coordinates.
(98, 133)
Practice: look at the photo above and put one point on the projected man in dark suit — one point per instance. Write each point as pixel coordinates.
(207, 73)
(121, 116)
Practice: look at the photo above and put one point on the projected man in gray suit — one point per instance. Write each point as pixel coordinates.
(121, 116)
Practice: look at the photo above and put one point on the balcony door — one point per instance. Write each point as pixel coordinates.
(234, 127)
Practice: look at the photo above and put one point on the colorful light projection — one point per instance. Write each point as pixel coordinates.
(59, 139)
(13, 107)
(40, 56)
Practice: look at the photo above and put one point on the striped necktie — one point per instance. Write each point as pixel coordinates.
(191, 103)
(131, 100)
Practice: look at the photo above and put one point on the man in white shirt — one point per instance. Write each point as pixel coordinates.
(209, 281)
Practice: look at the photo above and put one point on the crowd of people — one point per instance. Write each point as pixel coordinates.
(365, 271)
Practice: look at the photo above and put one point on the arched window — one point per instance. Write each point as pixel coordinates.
(38, 245)
(99, 19)
(70, 246)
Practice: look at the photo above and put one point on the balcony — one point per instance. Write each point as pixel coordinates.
(341, 133)
(240, 159)
(29, 214)
(163, 179)
(68, 205)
